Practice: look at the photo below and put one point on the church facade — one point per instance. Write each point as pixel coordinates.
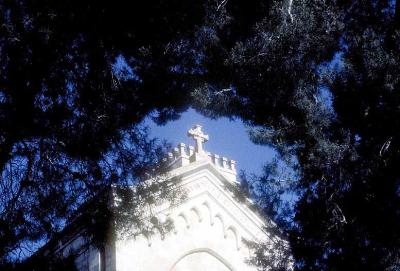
(210, 225)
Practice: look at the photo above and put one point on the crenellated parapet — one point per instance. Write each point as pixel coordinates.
(183, 155)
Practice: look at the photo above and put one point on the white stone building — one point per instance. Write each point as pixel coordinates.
(210, 224)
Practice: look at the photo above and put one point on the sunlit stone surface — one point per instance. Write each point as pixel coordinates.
(210, 224)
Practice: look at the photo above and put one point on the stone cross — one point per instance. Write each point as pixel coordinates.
(197, 134)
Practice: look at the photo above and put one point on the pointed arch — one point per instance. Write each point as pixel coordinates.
(209, 252)
(173, 222)
(210, 214)
(236, 236)
(185, 218)
(198, 213)
(221, 219)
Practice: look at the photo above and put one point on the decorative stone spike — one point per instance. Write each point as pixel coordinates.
(233, 165)
(191, 150)
(182, 151)
(176, 153)
(216, 159)
(224, 162)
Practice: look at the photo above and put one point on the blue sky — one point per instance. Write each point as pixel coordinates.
(227, 138)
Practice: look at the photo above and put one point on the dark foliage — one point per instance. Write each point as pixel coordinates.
(76, 80)
(319, 81)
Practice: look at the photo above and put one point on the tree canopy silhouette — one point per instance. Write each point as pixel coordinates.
(317, 80)
(76, 80)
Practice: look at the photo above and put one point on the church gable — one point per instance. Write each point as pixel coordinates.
(209, 225)
(205, 187)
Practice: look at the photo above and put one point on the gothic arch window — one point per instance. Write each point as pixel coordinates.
(201, 259)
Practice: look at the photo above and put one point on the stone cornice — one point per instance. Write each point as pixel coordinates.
(203, 177)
